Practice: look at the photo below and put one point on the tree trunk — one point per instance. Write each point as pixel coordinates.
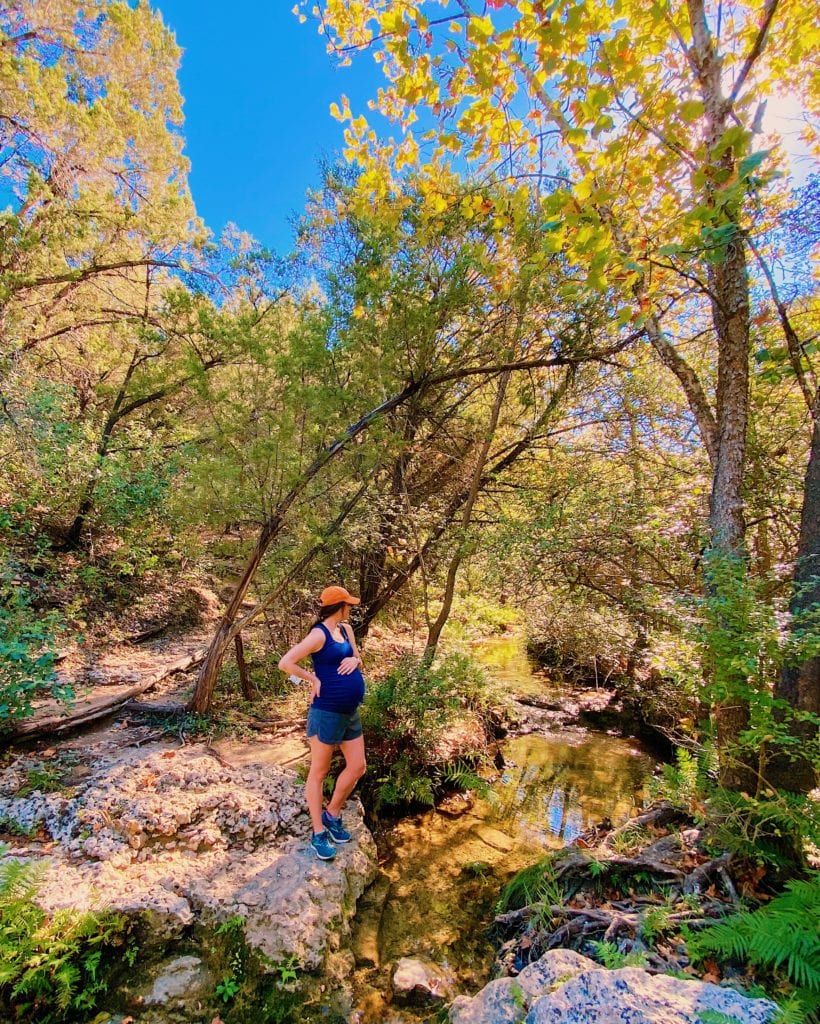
(211, 667)
(374, 558)
(730, 312)
(434, 633)
(729, 296)
(799, 682)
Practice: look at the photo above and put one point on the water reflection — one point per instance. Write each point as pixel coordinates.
(507, 662)
(554, 788)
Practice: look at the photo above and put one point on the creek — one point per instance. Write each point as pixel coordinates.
(441, 873)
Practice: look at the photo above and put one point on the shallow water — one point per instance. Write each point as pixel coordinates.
(441, 878)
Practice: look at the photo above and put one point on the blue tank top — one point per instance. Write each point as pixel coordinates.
(342, 694)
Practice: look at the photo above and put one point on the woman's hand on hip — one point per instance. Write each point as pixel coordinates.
(348, 665)
(315, 687)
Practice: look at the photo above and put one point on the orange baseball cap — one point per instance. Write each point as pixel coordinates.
(337, 595)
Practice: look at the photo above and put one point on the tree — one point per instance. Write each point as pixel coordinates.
(89, 116)
(637, 124)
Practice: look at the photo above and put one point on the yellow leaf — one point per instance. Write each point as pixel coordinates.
(479, 30)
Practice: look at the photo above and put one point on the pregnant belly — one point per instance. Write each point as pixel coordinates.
(341, 693)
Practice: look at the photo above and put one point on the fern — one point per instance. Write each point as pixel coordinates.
(781, 939)
(685, 782)
(800, 1008)
(613, 959)
(50, 967)
(655, 921)
(460, 776)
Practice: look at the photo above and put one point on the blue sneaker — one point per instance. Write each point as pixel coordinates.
(334, 826)
(325, 850)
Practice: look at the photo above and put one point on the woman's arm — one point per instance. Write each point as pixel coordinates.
(349, 665)
(289, 662)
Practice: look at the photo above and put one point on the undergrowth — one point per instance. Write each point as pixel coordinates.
(406, 716)
(54, 967)
(781, 940)
(771, 828)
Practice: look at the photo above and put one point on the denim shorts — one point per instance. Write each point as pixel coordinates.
(333, 728)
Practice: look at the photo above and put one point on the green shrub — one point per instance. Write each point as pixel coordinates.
(27, 652)
(412, 702)
(769, 828)
(407, 714)
(743, 651)
(52, 967)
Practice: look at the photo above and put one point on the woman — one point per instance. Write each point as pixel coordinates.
(337, 690)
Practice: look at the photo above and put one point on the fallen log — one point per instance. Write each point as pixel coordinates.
(101, 707)
(153, 707)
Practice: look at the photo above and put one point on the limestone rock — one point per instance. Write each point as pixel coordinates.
(557, 967)
(633, 996)
(455, 804)
(504, 1001)
(369, 913)
(420, 982)
(566, 988)
(182, 980)
(180, 838)
(499, 1002)
(494, 838)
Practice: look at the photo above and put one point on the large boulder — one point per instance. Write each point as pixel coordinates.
(181, 838)
(566, 988)
(503, 1001)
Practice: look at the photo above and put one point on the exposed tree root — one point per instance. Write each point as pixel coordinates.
(600, 904)
(658, 815)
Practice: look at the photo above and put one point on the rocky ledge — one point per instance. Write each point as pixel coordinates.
(181, 837)
(564, 987)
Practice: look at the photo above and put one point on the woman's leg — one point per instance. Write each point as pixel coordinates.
(320, 758)
(354, 769)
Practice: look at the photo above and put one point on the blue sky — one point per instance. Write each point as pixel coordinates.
(257, 88)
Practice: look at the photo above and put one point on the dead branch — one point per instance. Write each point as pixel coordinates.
(659, 814)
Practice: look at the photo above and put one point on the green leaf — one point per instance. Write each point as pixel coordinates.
(691, 110)
(751, 163)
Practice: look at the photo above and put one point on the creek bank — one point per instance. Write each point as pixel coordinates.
(628, 700)
(622, 896)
